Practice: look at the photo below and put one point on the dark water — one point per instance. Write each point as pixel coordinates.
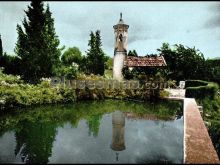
(94, 132)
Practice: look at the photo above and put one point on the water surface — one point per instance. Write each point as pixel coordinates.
(110, 131)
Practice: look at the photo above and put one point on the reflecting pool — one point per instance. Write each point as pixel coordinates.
(110, 131)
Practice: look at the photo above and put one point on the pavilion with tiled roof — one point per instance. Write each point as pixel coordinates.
(152, 61)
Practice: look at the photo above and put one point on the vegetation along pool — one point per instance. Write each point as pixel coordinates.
(110, 131)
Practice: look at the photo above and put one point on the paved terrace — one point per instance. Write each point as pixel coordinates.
(198, 147)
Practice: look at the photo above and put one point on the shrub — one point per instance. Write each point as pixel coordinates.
(14, 92)
(203, 90)
(164, 93)
(195, 83)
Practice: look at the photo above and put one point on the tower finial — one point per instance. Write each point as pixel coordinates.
(120, 16)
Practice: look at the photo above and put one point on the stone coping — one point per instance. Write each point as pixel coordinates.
(197, 144)
(198, 147)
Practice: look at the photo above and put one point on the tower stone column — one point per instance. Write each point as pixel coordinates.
(120, 50)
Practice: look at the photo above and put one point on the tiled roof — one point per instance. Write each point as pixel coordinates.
(132, 61)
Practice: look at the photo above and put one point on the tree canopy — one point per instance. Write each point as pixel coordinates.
(71, 55)
(37, 43)
(95, 59)
(1, 49)
(132, 53)
(183, 62)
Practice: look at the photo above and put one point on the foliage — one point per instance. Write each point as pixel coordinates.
(201, 92)
(183, 62)
(95, 60)
(128, 74)
(109, 63)
(214, 132)
(213, 66)
(72, 55)
(195, 83)
(1, 49)
(13, 93)
(70, 72)
(11, 64)
(211, 114)
(132, 53)
(164, 93)
(37, 44)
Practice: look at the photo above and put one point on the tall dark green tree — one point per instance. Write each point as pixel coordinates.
(95, 55)
(37, 43)
(1, 49)
(132, 53)
(100, 55)
(90, 59)
(10, 63)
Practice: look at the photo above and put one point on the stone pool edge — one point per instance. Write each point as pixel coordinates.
(197, 144)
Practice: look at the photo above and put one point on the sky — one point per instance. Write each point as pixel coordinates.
(194, 23)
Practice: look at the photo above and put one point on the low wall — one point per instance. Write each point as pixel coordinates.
(198, 147)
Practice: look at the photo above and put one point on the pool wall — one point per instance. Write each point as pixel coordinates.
(198, 147)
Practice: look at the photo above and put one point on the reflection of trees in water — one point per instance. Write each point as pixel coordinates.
(34, 141)
(93, 123)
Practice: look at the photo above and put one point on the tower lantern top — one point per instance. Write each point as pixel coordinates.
(121, 22)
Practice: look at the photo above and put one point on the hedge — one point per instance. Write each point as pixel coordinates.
(203, 90)
(195, 83)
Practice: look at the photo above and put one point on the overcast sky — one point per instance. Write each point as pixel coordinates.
(150, 24)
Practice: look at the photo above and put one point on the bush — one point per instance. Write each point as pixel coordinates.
(14, 93)
(203, 90)
(195, 83)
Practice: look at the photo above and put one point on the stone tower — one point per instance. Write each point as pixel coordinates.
(120, 51)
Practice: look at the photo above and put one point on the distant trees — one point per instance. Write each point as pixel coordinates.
(109, 63)
(95, 60)
(70, 62)
(132, 53)
(213, 69)
(183, 62)
(37, 44)
(72, 55)
(8, 62)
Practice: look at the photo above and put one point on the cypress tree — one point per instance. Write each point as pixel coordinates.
(1, 49)
(90, 60)
(37, 44)
(95, 55)
(100, 63)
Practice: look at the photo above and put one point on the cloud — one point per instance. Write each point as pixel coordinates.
(150, 24)
(214, 20)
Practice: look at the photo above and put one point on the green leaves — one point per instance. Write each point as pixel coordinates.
(95, 60)
(72, 55)
(37, 43)
(183, 62)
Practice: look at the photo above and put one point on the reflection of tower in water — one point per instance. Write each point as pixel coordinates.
(118, 129)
